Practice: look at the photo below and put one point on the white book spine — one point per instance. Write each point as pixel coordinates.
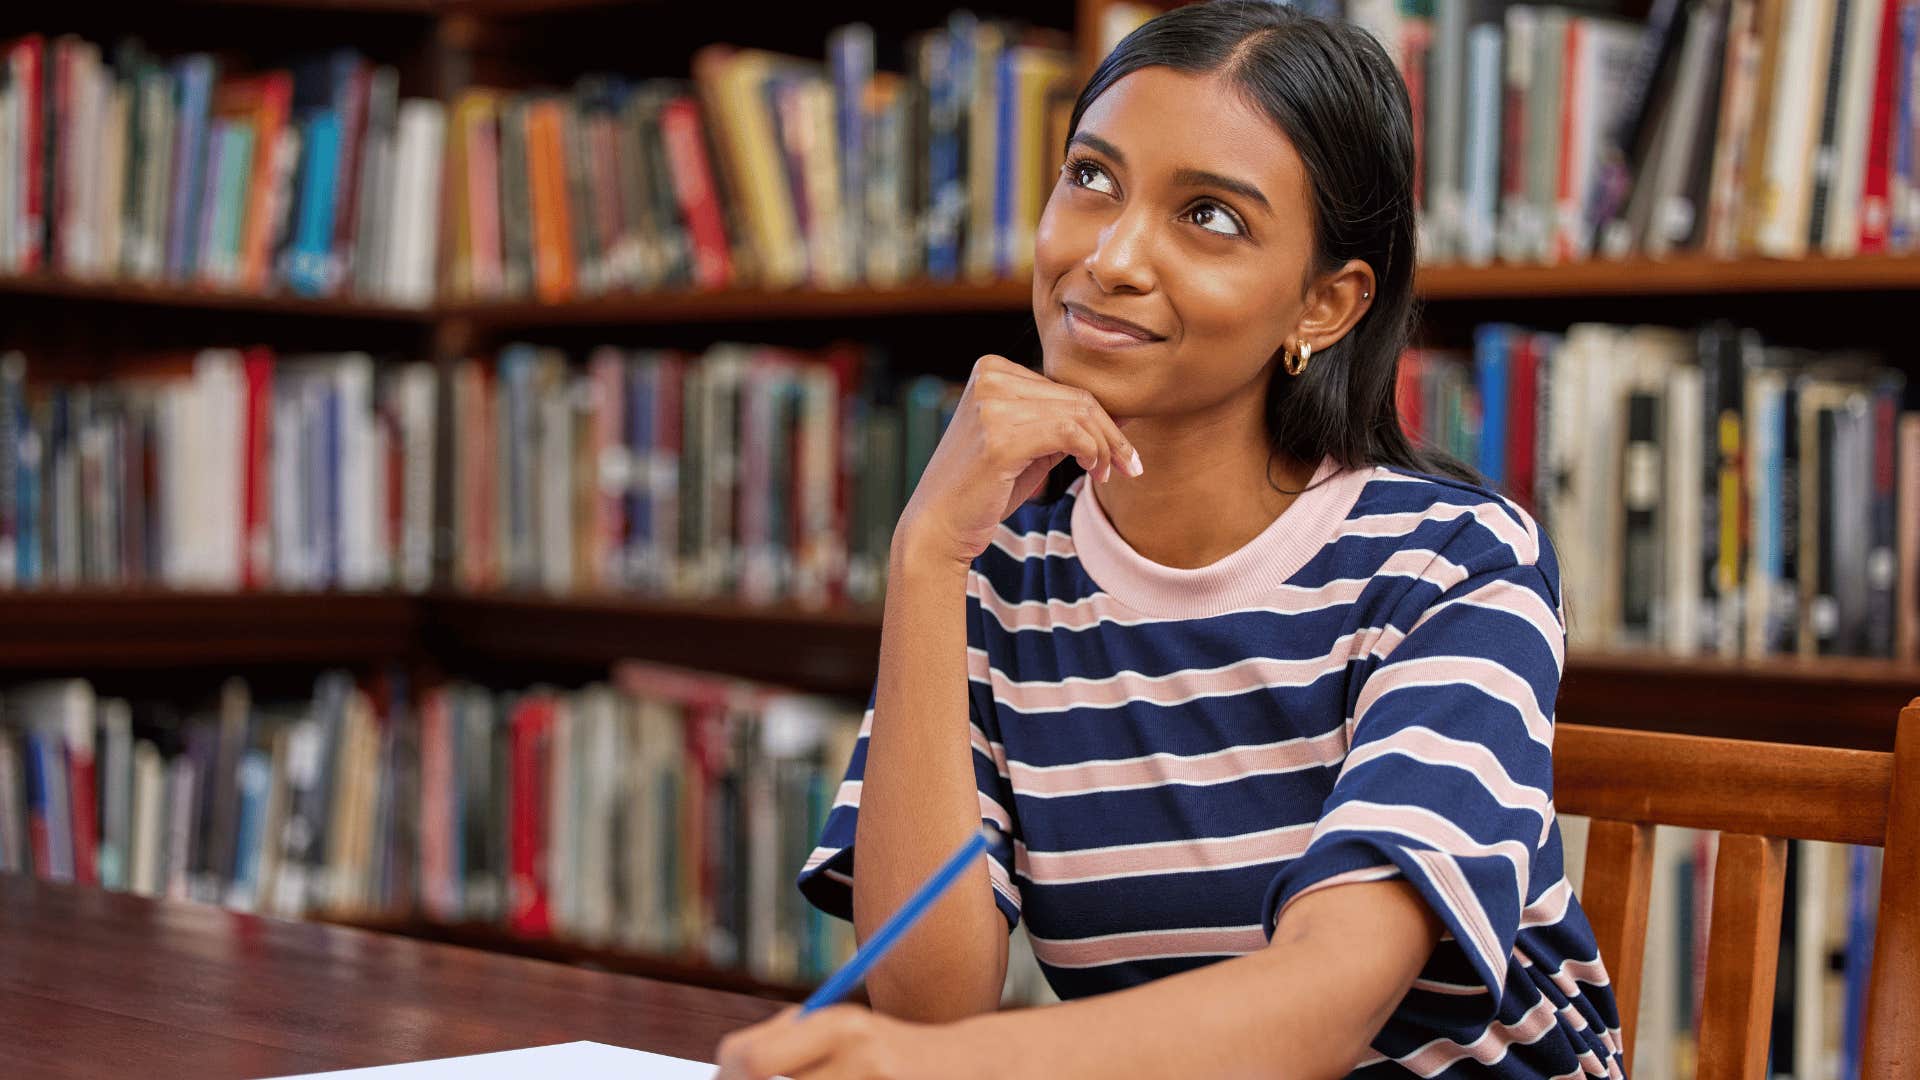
(1799, 92)
(1842, 238)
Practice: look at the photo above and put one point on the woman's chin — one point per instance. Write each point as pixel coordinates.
(1120, 393)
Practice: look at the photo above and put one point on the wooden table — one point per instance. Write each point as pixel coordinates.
(98, 984)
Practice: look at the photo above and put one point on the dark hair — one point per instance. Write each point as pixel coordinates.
(1335, 94)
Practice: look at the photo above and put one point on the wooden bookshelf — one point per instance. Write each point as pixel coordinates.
(1436, 285)
(1689, 276)
(514, 638)
(760, 305)
(135, 295)
(92, 630)
(500, 939)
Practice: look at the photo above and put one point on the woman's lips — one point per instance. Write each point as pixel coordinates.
(1104, 331)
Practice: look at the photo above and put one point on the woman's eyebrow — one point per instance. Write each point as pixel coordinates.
(1099, 145)
(1203, 178)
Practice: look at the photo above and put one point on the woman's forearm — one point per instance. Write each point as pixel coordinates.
(1304, 1007)
(919, 801)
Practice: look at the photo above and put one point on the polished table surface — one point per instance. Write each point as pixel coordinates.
(100, 984)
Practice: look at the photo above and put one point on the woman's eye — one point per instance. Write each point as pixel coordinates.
(1215, 218)
(1090, 176)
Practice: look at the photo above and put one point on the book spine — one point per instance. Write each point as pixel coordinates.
(1882, 556)
(692, 174)
(1640, 496)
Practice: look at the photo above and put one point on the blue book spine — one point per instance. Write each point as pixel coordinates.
(313, 236)
(37, 802)
(1482, 164)
(1004, 136)
(516, 390)
(850, 51)
(640, 523)
(1490, 345)
(945, 190)
(1859, 958)
(1900, 229)
(1767, 541)
(256, 777)
(53, 766)
(194, 76)
(206, 244)
(27, 499)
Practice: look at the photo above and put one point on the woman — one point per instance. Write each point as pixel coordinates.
(1263, 700)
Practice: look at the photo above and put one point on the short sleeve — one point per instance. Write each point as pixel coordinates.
(1448, 778)
(827, 878)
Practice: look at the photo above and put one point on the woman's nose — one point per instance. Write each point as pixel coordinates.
(1122, 260)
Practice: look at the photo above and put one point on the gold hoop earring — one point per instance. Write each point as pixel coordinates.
(1296, 361)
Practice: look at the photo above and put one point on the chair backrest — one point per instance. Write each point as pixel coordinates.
(1757, 796)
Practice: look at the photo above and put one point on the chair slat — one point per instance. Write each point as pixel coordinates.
(1893, 994)
(1617, 885)
(1743, 953)
(1811, 792)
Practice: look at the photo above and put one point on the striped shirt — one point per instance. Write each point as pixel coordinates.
(1363, 691)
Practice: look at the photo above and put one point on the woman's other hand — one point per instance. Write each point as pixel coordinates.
(845, 1042)
(1012, 426)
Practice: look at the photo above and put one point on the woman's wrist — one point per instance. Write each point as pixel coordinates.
(917, 555)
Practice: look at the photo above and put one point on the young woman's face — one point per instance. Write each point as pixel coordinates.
(1184, 212)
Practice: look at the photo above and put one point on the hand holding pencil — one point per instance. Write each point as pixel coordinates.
(815, 1036)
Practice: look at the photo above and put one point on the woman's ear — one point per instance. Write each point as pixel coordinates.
(1334, 303)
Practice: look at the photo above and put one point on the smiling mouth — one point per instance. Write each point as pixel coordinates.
(1106, 329)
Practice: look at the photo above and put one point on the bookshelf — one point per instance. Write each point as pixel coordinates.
(520, 639)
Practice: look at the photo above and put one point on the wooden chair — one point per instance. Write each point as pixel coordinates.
(1757, 796)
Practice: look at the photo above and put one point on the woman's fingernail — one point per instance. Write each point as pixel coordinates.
(1106, 472)
(1134, 468)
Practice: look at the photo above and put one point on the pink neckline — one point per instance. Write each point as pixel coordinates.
(1239, 580)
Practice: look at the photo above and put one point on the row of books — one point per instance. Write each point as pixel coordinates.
(756, 473)
(318, 180)
(1826, 945)
(662, 812)
(1707, 492)
(764, 169)
(1550, 134)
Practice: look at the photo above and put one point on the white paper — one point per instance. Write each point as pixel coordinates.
(576, 1060)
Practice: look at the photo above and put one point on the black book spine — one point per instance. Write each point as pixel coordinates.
(1825, 615)
(1640, 495)
(1823, 158)
(1882, 556)
(1786, 596)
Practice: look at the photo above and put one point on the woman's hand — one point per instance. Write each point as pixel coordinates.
(844, 1042)
(1012, 426)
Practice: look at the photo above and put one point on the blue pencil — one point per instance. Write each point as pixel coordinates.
(869, 954)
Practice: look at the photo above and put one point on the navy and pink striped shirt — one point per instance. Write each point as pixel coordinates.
(1363, 691)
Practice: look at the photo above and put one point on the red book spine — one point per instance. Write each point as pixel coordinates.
(80, 809)
(1875, 206)
(1568, 185)
(353, 132)
(1415, 35)
(436, 805)
(532, 724)
(62, 142)
(256, 527)
(1522, 401)
(1407, 397)
(397, 493)
(844, 362)
(29, 54)
(693, 187)
(276, 102)
(39, 828)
